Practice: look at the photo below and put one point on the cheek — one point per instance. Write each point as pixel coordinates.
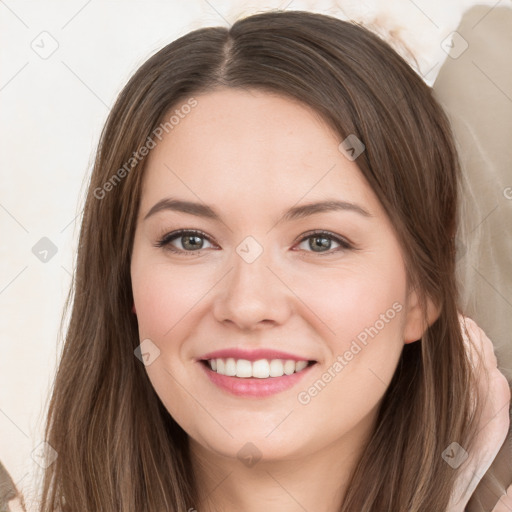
(361, 315)
(164, 296)
(366, 315)
(165, 300)
(355, 303)
(367, 304)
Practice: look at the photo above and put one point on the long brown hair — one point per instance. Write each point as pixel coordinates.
(118, 447)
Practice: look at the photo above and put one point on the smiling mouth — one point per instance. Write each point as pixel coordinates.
(260, 369)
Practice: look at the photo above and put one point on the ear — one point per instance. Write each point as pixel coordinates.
(415, 324)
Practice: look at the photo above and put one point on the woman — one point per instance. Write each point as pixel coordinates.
(267, 373)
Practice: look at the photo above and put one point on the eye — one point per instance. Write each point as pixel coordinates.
(322, 240)
(191, 241)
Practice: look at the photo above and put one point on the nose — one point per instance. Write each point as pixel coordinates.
(253, 295)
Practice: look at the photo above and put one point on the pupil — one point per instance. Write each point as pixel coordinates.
(325, 244)
(188, 238)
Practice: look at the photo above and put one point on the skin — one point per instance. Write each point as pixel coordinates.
(251, 155)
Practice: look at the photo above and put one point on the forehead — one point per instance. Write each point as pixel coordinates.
(251, 147)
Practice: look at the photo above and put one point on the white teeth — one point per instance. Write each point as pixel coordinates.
(289, 367)
(243, 368)
(230, 368)
(276, 368)
(261, 369)
(300, 365)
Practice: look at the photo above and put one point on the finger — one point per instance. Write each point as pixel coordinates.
(505, 502)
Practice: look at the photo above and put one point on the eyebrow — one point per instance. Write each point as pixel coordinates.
(294, 213)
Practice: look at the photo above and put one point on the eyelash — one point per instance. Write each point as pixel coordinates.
(165, 241)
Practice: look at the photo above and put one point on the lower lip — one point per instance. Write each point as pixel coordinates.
(254, 387)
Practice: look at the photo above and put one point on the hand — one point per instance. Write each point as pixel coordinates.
(505, 503)
(494, 391)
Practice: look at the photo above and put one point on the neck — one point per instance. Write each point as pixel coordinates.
(314, 480)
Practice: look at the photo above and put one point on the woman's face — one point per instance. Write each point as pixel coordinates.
(241, 167)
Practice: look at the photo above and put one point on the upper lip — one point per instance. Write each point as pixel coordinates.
(252, 355)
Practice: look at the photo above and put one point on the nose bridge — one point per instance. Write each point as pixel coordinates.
(251, 261)
(251, 292)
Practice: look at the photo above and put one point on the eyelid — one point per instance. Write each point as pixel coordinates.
(345, 244)
(340, 239)
(165, 240)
